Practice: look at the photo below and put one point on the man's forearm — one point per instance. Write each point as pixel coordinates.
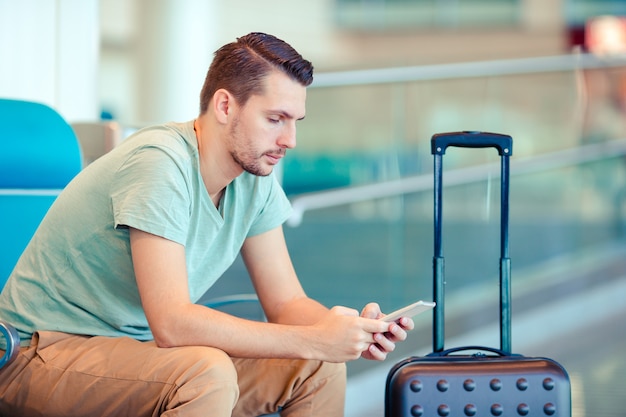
(200, 326)
(300, 311)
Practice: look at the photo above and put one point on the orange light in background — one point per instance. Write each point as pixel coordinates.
(606, 35)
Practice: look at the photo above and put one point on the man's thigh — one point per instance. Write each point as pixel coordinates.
(298, 387)
(68, 375)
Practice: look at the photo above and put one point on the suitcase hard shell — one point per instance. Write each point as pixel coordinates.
(477, 385)
(488, 382)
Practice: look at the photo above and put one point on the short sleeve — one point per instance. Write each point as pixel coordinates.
(274, 212)
(151, 193)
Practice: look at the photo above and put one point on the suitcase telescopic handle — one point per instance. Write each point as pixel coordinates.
(504, 145)
(468, 139)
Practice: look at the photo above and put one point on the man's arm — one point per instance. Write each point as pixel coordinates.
(335, 335)
(267, 259)
(272, 273)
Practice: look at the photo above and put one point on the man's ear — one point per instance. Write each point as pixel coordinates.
(222, 105)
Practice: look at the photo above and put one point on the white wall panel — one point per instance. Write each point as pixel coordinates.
(49, 53)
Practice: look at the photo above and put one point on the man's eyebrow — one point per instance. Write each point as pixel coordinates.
(286, 114)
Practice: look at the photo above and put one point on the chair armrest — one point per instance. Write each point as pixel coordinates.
(231, 299)
(13, 342)
(227, 300)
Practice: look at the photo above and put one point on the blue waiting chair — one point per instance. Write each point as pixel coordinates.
(39, 155)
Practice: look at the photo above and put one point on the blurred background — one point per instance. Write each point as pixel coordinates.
(389, 75)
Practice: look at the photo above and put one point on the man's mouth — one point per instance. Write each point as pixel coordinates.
(275, 157)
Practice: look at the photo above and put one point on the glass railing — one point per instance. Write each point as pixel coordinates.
(361, 170)
(382, 248)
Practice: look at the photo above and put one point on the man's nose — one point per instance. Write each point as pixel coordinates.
(288, 136)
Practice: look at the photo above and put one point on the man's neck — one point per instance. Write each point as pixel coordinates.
(214, 158)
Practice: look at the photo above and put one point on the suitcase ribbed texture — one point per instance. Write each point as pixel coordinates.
(478, 386)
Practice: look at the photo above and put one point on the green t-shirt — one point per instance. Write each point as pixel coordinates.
(76, 275)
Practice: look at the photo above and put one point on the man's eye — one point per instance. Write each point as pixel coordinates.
(273, 120)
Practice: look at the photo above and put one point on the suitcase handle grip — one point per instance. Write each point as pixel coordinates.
(467, 139)
(447, 352)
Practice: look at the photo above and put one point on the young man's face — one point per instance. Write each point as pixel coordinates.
(265, 127)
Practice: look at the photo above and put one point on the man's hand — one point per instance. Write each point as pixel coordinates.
(385, 342)
(341, 335)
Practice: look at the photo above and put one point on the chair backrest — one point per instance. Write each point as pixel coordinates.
(39, 155)
(97, 138)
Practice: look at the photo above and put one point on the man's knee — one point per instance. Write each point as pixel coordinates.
(320, 391)
(331, 376)
(206, 375)
(335, 373)
(206, 363)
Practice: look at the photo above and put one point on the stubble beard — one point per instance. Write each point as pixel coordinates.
(247, 158)
(253, 167)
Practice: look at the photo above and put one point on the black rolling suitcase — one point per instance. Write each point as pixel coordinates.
(489, 382)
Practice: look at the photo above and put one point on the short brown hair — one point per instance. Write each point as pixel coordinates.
(240, 67)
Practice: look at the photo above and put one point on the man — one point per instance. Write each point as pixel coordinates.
(103, 297)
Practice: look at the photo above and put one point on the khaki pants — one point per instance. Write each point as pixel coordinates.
(67, 375)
